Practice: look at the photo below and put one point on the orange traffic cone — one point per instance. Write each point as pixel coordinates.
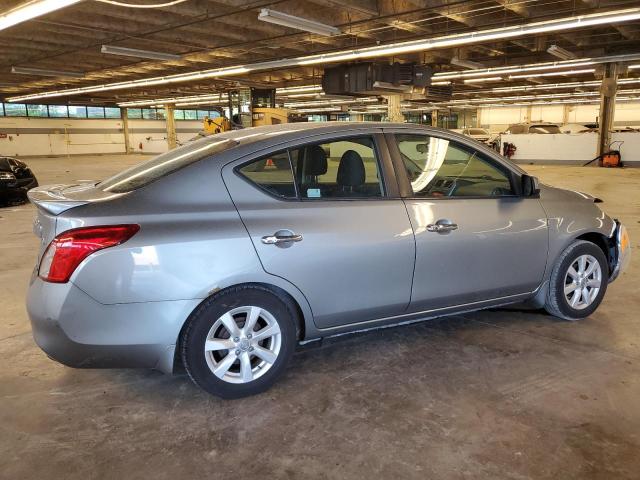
(269, 163)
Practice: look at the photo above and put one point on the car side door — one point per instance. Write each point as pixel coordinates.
(477, 238)
(325, 214)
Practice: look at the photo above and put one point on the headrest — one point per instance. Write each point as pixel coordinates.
(316, 161)
(351, 169)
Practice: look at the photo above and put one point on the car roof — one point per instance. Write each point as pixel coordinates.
(274, 134)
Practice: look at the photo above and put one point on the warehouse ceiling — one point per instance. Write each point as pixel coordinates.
(208, 34)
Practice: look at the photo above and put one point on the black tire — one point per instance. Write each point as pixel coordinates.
(204, 317)
(557, 303)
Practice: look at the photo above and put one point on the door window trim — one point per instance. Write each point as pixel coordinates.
(405, 184)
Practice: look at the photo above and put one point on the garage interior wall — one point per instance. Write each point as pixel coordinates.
(497, 119)
(21, 137)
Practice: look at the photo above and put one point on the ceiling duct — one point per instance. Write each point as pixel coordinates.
(372, 78)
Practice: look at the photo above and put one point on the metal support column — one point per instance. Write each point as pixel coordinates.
(125, 130)
(394, 110)
(172, 138)
(608, 90)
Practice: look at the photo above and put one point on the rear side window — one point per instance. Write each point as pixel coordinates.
(147, 172)
(272, 173)
(344, 168)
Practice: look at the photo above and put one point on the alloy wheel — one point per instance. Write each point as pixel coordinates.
(243, 344)
(582, 282)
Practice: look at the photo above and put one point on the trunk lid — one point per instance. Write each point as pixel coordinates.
(52, 200)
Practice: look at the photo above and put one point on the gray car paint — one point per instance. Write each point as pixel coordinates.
(126, 305)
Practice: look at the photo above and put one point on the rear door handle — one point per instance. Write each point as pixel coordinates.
(442, 227)
(280, 239)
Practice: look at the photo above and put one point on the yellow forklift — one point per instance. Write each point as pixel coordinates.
(263, 112)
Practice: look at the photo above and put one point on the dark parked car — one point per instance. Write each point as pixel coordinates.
(16, 178)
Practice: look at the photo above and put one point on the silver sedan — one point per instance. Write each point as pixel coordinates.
(226, 253)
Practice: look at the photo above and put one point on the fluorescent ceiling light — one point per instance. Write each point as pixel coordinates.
(300, 88)
(45, 72)
(466, 63)
(615, 16)
(533, 67)
(538, 97)
(313, 90)
(32, 9)
(201, 102)
(552, 74)
(331, 102)
(134, 52)
(485, 79)
(291, 21)
(312, 110)
(548, 86)
(633, 67)
(154, 101)
(548, 102)
(560, 52)
(300, 95)
(575, 97)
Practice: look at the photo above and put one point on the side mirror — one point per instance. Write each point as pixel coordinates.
(530, 186)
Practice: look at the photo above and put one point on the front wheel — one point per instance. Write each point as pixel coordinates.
(578, 281)
(238, 342)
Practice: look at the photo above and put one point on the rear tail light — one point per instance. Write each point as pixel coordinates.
(70, 248)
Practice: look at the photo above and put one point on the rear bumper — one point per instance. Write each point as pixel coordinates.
(19, 186)
(75, 330)
(621, 246)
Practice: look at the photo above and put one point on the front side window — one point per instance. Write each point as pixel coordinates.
(441, 168)
(344, 168)
(272, 173)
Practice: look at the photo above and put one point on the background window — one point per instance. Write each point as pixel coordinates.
(76, 112)
(58, 111)
(149, 113)
(95, 112)
(339, 169)
(37, 110)
(190, 115)
(134, 113)
(112, 112)
(273, 174)
(439, 168)
(15, 110)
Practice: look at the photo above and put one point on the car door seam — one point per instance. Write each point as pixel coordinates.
(255, 249)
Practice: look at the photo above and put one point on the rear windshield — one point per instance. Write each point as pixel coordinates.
(147, 172)
(544, 129)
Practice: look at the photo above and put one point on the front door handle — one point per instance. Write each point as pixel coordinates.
(278, 239)
(442, 227)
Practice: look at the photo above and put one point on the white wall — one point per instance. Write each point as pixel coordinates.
(21, 136)
(564, 148)
(497, 119)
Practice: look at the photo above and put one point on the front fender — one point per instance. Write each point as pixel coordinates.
(571, 215)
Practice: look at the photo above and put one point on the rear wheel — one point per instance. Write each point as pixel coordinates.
(239, 341)
(578, 281)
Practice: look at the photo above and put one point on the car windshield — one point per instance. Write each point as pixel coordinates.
(147, 172)
(544, 129)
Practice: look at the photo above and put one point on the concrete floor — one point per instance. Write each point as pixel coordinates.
(494, 394)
